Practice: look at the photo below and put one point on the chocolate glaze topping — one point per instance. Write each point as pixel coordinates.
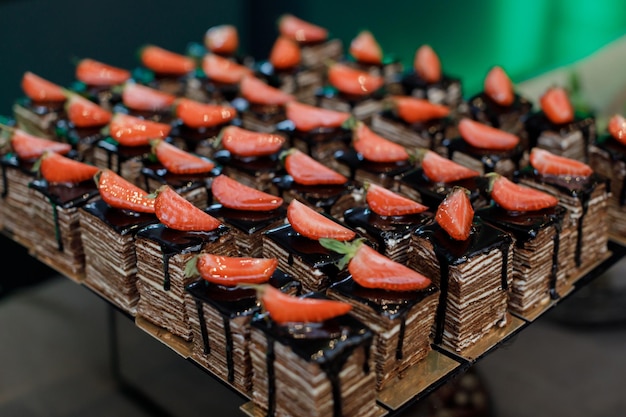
(124, 222)
(489, 158)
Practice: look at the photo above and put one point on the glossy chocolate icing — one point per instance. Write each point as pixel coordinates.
(314, 137)
(323, 196)
(123, 222)
(488, 157)
(538, 123)
(482, 104)
(249, 165)
(617, 153)
(355, 161)
(247, 221)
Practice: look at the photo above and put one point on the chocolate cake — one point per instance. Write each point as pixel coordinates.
(100, 82)
(220, 81)
(260, 104)
(146, 102)
(165, 70)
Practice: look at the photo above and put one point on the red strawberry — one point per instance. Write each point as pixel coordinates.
(223, 70)
(376, 148)
(556, 105)
(27, 146)
(231, 271)
(39, 89)
(617, 128)
(255, 90)
(177, 213)
(284, 308)
(85, 113)
(248, 143)
(120, 193)
(307, 117)
(235, 195)
(308, 171)
(163, 61)
(143, 98)
(178, 161)
(443, 170)
(413, 109)
(387, 203)
(455, 214)
(499, 87)
(222, 39)
(427, 64)
(97, 73)
(371, 269)
(56, 168)
(515, 197)
(366, 49)
(301, 30)
(314, 225)
(285, 53)
(547, 163)
(197, 115)
(353, 81)
(129, 130)
(483, 136)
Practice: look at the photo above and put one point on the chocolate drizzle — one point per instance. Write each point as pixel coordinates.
(180, 182)
(355, 161)
(247, 221)
(124, 222)
(617, 153)
(315, 137)
(538, 123)
(324, 196)
(482, 106)
(488, 158)
(251, 165)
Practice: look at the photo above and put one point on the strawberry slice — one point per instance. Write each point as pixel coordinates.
(314, 225)
(483, 136)
(556, 105)
(28, 146)
(231, 271)
(444, 170)
(256, 91)
(617, 128)
(223, 70)
(177, 213)
(366, 49)
(307, 117)
(387, 203)
(92, 72)
(285, 53)
(178, 161)
(121, 194)
(284, 308)
(164, 61)
(56, 168)
(455, 214)
(130, 130)
(353, 81)
(85, 113)
(499, 87)
(427, 64)
(248, 143)
(196, 115)
(376, 148)
(40, 89)
(413, 109)
(222, 39)
(547, 163)
(306, 170)
(235, 195)
(516, 197)
(143, 98)
(301, 30)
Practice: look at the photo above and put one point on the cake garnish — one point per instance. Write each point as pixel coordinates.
(365, 48)
(426, 64)
(285, 53)
(385, 202)
(314, 225)
(376, 148)
(548, 163)
(556, 105)
(443, 170)
(231, 271)
(516, 197)
(177, 213)
(196, 114)
(85, 113)
(455, 214)
(353, 81)
(93, 72)
(130, 130)
(232, 194)
(249, 143)
(122, 194)
(499, 87)
(40, 89)
(301, 30)
(222, 39)
(306, 170)
(223, 70)
(164, 61)
(56, 169)
(143, 98)
(179, 161)
(413, 109)
(257, 91)
(617, 128)
(483, 136)
(372, 269)
(28, 146)
(306, 117)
